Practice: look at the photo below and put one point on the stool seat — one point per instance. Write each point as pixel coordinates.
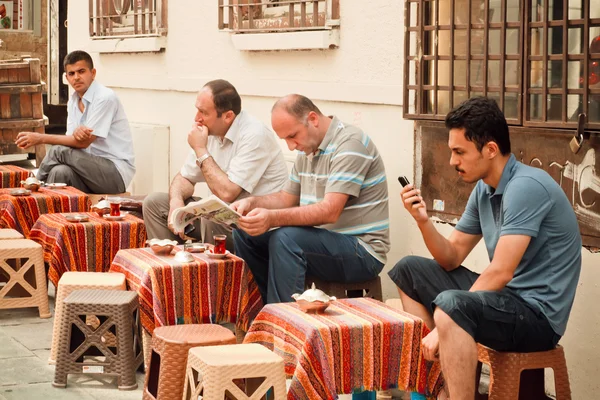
(507, 383)
(211, 372)
(6, 234)
(117, 312)
(371, 288)
(71, 281)
(165, 376)
(22, 268)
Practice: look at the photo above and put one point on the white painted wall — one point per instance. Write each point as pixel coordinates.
(361, 82)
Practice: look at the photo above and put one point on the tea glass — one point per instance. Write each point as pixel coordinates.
(219, 244)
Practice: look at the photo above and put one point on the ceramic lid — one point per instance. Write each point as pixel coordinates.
(313, 294)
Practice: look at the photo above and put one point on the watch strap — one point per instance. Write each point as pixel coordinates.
(202, 158)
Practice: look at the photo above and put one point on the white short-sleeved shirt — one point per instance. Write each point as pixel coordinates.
(249, 154)
(104, 113)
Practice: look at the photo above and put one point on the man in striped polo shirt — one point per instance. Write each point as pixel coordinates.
(332, 215)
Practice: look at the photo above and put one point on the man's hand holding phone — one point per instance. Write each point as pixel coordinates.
(413, 202)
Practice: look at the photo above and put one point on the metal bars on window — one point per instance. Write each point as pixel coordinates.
(563, 60)
(247, 16)
(127, 18)
(459, 49)
(540, 59)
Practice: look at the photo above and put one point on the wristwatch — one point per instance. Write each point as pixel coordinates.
(202, 158)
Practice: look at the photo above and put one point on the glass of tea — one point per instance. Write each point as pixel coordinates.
(219, 244)
(115, 208)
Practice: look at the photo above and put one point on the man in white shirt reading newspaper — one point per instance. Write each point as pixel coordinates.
(234, 153)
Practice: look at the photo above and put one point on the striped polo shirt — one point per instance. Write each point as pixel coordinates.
(347, 161)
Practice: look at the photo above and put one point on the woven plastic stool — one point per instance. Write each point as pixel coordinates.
(71, 281)
(340, 290)
(165, 376)
(81, 348)
(22, 266)
(211, 371)
(507, 383)
(7, 234)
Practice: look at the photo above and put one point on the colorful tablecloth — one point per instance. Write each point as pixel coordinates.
(355, 345)
(85, 246)
(201, 291)
(21, 212)
(11, 176)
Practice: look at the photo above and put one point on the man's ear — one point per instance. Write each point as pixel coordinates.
(229, 116)
(491, 149)
(93, 73)
(313, 118)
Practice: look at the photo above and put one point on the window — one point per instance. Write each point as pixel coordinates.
(16, 15)
(127, 18)
(539, 59)
(246, 16)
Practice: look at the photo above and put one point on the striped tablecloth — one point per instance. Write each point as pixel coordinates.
(21, 212)
(201, 291)
(11, 176)
(85, 246)
(355, 345)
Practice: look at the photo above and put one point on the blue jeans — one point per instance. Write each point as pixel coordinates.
(281, 258)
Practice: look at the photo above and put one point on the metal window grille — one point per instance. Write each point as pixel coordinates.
(251, 16)
(455, 50)
(540, 59)
(562, 63)
(127, 18)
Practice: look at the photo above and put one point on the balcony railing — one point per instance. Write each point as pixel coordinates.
(253, 16)
(127, 18)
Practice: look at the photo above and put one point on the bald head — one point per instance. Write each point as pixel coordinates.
(297, 106)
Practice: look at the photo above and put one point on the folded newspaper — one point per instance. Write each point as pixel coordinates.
(211, 208)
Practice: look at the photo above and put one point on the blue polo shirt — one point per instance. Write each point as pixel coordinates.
(529, 202)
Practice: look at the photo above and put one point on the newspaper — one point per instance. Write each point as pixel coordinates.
(211, 208)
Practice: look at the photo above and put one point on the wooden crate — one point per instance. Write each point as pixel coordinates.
(21, 107)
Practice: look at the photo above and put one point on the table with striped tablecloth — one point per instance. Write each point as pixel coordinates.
(21, 212)
(204, 290)
(354, 345)
(85, 246)
(11, 176)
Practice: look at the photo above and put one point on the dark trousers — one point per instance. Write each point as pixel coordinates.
(281, 258)
(82, 170)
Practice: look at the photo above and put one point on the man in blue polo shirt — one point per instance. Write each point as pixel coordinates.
(522, 300)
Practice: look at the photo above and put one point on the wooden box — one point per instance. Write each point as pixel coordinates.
(21, 107)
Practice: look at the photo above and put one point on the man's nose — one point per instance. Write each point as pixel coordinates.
(291, 145)
(453, 160)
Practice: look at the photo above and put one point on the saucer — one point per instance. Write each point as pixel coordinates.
(56, 185)
(195, 247)
(20, 192)
(116, 217)
(210, 254)
(77, 218)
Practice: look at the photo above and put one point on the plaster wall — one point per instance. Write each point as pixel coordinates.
(361, 82)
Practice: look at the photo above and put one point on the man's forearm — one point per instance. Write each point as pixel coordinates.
(492, 278)
(312, 215)
(64, 140)
(275, 201)
(440, 248)
(180, 189)
(218, 181)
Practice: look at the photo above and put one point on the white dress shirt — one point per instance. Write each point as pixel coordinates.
(249, 154)
(104, 113)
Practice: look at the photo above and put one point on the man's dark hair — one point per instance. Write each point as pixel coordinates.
(483, 122)
(298, 106)
(225, 97)
(76, 56)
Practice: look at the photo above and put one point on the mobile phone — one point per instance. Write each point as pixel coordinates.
(403, 181)
(189, 229)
